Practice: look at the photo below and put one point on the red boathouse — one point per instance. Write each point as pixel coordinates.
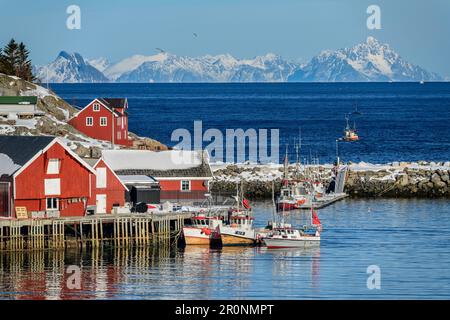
(43, 176)
(183, 176)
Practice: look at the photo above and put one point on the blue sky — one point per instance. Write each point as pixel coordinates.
(296, 29)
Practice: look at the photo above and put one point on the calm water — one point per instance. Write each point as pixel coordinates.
(400, 121)
(408, 239)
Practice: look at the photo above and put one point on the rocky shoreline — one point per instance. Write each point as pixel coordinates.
(399, 180)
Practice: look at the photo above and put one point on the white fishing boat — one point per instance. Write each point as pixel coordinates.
(291, 238)
(283, 235)
(203, 230)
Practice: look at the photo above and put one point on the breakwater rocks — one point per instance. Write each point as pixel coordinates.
(399, 179)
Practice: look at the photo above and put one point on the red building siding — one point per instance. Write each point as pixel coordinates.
(75, 182)
(171, 189)
(114, 191)
(102, 132)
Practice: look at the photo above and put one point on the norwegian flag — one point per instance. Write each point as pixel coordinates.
(315, 218)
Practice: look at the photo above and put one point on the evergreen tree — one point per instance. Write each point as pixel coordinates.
(14, 61)
(24, 68)
(9, 58)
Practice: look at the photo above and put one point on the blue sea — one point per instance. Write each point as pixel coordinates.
(397, 121)
(407, 241)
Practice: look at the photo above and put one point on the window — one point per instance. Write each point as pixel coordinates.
(89, 121)
(101, 177)
(52, 204)
(119, 135)
(103, 121)
(96, 107)
(118, 121)
(185, 185)
(52, 187)
(53, 166)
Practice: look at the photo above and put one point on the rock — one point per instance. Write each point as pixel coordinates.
(435, 178)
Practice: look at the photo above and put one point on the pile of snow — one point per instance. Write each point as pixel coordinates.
(7, 165)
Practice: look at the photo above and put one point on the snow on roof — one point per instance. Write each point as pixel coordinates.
(7, 165)
(152, 160)
(131, 179)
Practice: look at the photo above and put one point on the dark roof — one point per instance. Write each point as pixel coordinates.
(114, 103)
(22, 148)
(200, 171)
(18, 100)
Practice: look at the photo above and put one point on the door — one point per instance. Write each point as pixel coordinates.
(101, 203)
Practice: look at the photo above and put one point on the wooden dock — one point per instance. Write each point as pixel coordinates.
(119, 230)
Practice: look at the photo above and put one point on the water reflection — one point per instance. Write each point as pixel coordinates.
(191, 273)
(408, 240)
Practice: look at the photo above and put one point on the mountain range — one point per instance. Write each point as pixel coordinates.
(367, 61)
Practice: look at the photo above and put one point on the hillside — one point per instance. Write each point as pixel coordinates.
(56, 113)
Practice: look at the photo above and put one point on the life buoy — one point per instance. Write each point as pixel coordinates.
(302, 201)
(206, 231)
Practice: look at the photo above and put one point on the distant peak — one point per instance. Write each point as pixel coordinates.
(372, 41)
(64, 54)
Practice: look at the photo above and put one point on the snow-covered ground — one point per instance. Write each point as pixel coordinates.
(269, 172)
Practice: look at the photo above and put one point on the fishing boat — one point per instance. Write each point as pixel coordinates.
(238, 232)
(291, 196)
(238, 229)
(350, 134)
(203, 230)
(285, 236)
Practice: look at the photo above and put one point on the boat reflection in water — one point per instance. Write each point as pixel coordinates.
(195, 272)
(299, 266)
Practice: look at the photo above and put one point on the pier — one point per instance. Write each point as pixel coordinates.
(118, 230)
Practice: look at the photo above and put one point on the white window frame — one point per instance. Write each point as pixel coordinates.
(52, 208)
(96, 107)
(53, 166)
(189, 185)
(89, 120)
(106, 121)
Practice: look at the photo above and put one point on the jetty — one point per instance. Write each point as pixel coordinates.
(118, 230)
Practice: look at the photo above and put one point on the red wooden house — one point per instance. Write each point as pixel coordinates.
(104, 119)
(183, 176)
(108, 190)
(50, 180)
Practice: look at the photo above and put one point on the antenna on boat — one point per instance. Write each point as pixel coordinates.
(273, 202)
(337, 152)
(286, 163)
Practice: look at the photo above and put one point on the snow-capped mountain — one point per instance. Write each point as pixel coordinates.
(70, 68)
(101, 64)
(368, 61)
(166, 67)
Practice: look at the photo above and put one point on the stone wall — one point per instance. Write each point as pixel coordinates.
(422, 181)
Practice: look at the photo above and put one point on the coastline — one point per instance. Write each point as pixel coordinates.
(394, 180)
